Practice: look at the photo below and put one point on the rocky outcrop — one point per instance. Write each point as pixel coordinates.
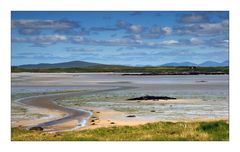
(131, 116)
(153, 98)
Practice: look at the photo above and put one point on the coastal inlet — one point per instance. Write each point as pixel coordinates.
(65, 101)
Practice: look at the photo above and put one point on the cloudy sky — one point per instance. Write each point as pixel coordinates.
(126, 38)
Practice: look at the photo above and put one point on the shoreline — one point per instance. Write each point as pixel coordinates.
(102, 118)
(61, 119)
(46, 102)
(71, 125)
(64, 116)
(126, 73)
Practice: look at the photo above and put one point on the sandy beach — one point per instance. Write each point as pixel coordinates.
(100, 118)
(86, 101)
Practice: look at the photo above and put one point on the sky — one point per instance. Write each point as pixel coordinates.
(121, 38)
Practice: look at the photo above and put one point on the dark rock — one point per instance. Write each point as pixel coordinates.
(36, 128)
(93, 124)
(97, 112)
(92, 120)
(131, 116)
(153, 111)
(112, 123)
(201, 81)
(152, 98)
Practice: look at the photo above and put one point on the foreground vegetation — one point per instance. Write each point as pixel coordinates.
(159, 131)
(125, 69)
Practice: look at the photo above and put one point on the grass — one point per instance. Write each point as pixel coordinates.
(159, 131)
(127, 69)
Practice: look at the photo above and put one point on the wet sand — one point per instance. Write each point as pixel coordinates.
(206, 100)
(107, 118)
(72, 119)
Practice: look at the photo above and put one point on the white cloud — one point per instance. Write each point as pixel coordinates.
(196, 41)
(59, 37)
(170, 42)
(136, 37)
(193, 18)
(42, 39)
(136, 28)
(167, 30)
(205, 28)
(44, 24)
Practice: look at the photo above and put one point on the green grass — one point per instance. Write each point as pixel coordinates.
(127, 69)
(213, 129)
(159, 131)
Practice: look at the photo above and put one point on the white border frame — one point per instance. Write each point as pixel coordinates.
(6, 6)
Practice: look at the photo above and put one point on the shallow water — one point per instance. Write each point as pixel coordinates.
(211, 90)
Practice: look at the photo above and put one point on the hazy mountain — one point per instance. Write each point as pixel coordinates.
(225, 63)
(214, 64)
(204, 64)
(82, 64)
(209, 64)
(72, 64)
(180, 64)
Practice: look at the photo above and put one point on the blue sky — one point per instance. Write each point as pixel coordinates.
(126, 38)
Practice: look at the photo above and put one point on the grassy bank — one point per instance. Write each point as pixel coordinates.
(160, 131)
(126, 69)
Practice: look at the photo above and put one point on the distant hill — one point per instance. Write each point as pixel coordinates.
(180, 64)
(72, 64)
(214, 64)
(204, 64)
(82, 64)
(225, 63)
(209, 63)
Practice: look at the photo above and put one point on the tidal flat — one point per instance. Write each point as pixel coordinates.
(100, 100)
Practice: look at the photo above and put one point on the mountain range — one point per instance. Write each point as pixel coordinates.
(71, 64)
(83, 64)
(204, 64)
